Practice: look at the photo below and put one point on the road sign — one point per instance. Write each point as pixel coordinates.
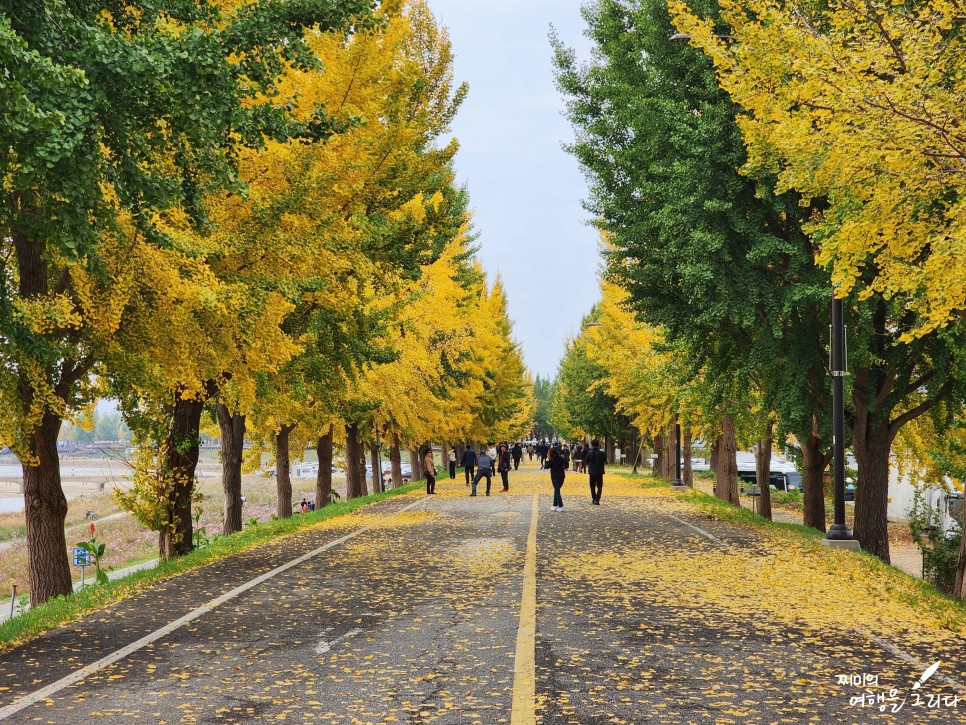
(82, 557)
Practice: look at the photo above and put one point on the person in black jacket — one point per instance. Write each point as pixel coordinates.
(468, 463)
(558, 468)
(595, 459)
(503, 466)
(517, 452)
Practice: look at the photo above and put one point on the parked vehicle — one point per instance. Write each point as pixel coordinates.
(778, 480)
(783, 476)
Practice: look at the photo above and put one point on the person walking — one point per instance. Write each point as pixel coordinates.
(429, 465)
(558, 472)
(484, 469)
(578, 457)
(468, 463)
(517, 452)
(452, 463)
(530, 451)
(503, 466)
(595, 460)
(565, 454)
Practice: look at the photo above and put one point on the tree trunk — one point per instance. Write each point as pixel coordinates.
(659, 451)
(323, 481)
(871, 444)
(177, 538)
(395, 461)
(45, 505)
(609, 450)
(283, 472)
(763, 471)
(415, 461)
(376, 467)
(727, 473)
(461, 449)
(46, 510)
(960, 591)
(232, 444)
(353, 462)
(688, 471)
(814, 462)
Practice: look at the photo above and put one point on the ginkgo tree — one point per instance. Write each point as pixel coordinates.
(859, 104)
(839, 99)
(113, 114)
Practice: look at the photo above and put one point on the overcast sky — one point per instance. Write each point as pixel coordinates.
(525, 190)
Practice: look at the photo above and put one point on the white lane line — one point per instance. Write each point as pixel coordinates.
(88, 670)
(324, 646)
(704, 533)
(905, 656)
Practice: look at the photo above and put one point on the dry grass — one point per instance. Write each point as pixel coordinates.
(127, 541)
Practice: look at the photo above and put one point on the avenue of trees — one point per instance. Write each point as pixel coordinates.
(813, 151)
(242, 212)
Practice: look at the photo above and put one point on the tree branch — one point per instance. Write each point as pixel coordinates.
(923, 407)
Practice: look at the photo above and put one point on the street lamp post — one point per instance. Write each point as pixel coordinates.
(839, 534)
(677, 482)
(634, 450)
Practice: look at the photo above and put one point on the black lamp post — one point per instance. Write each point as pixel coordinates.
(839, 531)
(677, 482)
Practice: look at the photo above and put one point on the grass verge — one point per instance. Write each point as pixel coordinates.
(64, 610)
(911, 590)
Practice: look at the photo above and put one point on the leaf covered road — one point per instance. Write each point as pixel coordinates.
(646, 611)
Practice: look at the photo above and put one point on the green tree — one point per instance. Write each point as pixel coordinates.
(710, 256)
(543, 392)
(582, 407)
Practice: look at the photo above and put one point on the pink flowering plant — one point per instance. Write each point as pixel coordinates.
(96, 551)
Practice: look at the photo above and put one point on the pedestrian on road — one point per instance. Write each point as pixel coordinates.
(503, 466)
(484, 469)
(517, 452)
(555, 462)
(578, 457)
(542, 450)
(565, 454)
(468, 463)
(595, 460)
(452, 463)
(429, 465)
(530, 451)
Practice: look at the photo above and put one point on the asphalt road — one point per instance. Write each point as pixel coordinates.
(416, 618)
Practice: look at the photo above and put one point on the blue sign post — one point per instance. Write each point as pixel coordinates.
(82, 558)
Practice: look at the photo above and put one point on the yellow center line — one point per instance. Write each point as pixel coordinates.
(524, 668)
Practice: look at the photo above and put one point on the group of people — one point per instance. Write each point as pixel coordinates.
(490, 459)
(575, 456)
(499, 459)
